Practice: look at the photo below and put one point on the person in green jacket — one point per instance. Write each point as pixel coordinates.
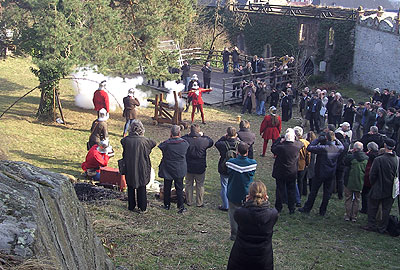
(356, 160)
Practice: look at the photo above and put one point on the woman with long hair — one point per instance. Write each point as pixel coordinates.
(253, 245)
(270, 128)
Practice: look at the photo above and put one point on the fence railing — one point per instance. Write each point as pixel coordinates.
(273, 79)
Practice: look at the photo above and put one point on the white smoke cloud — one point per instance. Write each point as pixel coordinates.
(87, 82)
(177, 87)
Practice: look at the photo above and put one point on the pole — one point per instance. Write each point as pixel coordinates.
(223, 92)
(54, 103)
(60, 107)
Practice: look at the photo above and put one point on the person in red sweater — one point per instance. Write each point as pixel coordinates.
(97, 157)
(270, 128)
(197, 101)
(100, 98)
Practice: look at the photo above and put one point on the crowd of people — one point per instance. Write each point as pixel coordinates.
(349, 150)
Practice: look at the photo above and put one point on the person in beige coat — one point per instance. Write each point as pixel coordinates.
(249, 98)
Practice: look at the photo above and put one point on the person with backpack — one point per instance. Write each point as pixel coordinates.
(241, 171)
(227, 147)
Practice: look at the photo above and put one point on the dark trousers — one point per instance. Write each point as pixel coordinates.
(179, 191)
(316, 184)
(289, 186)
(247, 105)
(207, 83)
(314, 122)
(373, 206)
(302, 182)
(339, 183)
(141, 198)
(336, 120)
(364, 199)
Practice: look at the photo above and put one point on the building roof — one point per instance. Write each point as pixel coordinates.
(366, 4)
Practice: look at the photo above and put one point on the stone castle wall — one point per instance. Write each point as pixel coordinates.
(377, 53)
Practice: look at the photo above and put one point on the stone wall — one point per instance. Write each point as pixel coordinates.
(377, 53)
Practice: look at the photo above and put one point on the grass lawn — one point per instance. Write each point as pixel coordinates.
(199, 239)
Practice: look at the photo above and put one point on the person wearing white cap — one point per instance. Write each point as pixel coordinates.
(100, 98)
(99, 129)
(197, 101)
(345, 130)
(193, 80)
(130, 103)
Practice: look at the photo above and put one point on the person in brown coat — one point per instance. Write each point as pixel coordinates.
(249, 98)
(136, 155)
(99, 130)
(130, 103)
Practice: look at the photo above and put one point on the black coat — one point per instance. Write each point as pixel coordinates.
(197, 152)
(185, 71)
(245, 135)
(381, 176)
(173, 163)
(327, 156)
(136, 154)
(286, 160)
(222, 149)
(367, 138)
(225, 56)
(235, 56)
(253, 245)
(206, 72)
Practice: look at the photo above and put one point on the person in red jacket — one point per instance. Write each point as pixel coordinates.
(270, 128)
(100, 98)
(97, 157)
(197, 101)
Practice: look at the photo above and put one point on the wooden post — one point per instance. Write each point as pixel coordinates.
(54, 103)
(156, 109)
(176, 109)
(223, 92)
(60, 107)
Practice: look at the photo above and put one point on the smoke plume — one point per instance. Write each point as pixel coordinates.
(177, 87)
(87, 82)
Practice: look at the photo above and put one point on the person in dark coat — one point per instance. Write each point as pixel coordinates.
(327, 148)
(225, 59)
(338, 180)
(314, 106)
(185, 75)
(173, 166)
(237, 72)
(287, 151)
(348, 112)
(368, 117)
(206, 69)
(99, 129)
(136, 155)
(245, 135)
(196, 164)
(228, 142)
(286, 105)
(372, 153)
(235, 57)
(372, 136)
(336, 109)
(253, 245)
(383, 171)
(261, 96)
(130, 103)
(274, 98)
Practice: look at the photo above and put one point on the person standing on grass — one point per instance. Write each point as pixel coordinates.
(256, 219)
(173, 166)
(382, 174)
(356, 162)
(196, 164)
(130, 103)
(227, 148)
(197, 101)
(136, 155)
(100, 99)
(304, 161)
(328, 149)
(249, 98)
(372, 153)
(206, 69)
(99, 129)
(241, 171)
(245, 135)
(287, 150)
(270, 128)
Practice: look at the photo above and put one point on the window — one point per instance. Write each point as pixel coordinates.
(302, 32)
(331, 36)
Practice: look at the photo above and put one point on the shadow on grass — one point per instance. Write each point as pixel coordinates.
(45, 160)
(6, 85)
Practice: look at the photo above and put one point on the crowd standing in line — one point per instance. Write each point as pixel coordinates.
(351, 150)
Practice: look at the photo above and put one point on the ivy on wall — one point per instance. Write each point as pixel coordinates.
(278, 31)
(341, 61)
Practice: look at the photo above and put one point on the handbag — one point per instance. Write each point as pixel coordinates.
(122, 166)
(395, 190)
